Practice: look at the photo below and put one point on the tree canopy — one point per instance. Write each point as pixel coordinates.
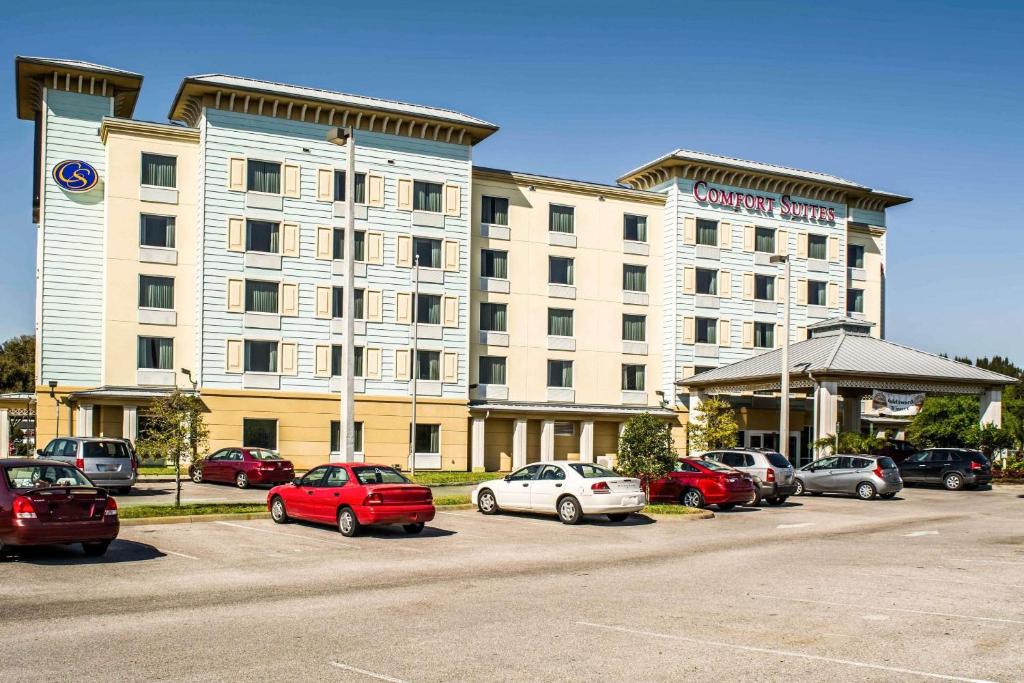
(713, 426)
(18, 364)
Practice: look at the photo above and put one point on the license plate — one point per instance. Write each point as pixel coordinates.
(629, 500)
(106, 468)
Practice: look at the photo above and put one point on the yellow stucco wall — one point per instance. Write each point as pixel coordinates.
(874, 246)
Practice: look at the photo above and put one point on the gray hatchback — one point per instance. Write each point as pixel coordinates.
(865, 476)
(107, 462)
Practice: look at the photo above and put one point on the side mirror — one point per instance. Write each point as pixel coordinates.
(507, 477)
(39, 451)
(297, 481)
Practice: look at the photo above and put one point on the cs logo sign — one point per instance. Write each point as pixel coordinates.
(75, 176)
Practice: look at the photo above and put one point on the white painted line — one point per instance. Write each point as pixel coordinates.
(284, 533)
(379, 677)
(828, 603)
(794, 526)
(785, 653)
(171, 552)
(984, 559)
(915, 534)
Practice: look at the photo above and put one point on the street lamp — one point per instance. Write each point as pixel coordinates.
(53, 385)
(784, 379)
(192, 415)
(415, 359)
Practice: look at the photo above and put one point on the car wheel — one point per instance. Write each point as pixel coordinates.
(799, 487)
(953, 481)
(692, 498)
(865, 491)
(776, 500)
(242, 480)
(95, 549)
(569, 510)
(197, 475)
(755, 501)
(278, 512)
(487, 503)
(619, 517)
(725, 507)
(413, 529)
(888, 495)
(348, 525)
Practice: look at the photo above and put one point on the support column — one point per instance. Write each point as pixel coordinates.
(130, 423)
(477, 443)
(992, 407)
(84, 424)
(5, 432)
(547, 441)
(851, 414)
(519, 444)
(587, 441)
(826, 398)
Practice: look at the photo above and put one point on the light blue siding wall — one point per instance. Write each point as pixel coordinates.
(869, 217)
(671, 274)
(72, 234)
(227, 134)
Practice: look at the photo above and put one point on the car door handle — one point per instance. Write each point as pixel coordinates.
(336, 494)
(558, 485)
(309, 493)
(525, 484)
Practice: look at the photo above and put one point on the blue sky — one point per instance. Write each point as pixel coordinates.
(918, 98)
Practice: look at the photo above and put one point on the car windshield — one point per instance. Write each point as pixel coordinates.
(44, 476)
(104, 449)
(260, 454)
(378, 475)
(592, 471)
(778, 460)
(886, 463)
(715, 466)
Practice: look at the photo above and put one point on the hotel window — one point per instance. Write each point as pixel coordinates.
(428, 251)
(428, 438)
(560, 374)
(855, 301)
(428, 309)
(156, 292)
(561, 218)
(494, 263)
(493, 317)
(264, 236)
(764, 335)
(156, 231)
(565, 429)
(560, 270)
(261, 356)
(426, 197)
(560, 322)
(336, 351)
(707, 331)
(764, 287)
(428, 365)
(634, 328)
(855, 255)
(156, 353)
(492, 370)
(707, 281)
(261, 297)
(357, 427)
(263, 176)
(764, 240)
(259, 433)
(159, 170)
(494, 210)
(339, 187)
(817, 247)
(707, 232)
(702, 368)
(634, 228)
(359, 239)
(338, 303)
(634, 278)
(633, 377)
(816, 293)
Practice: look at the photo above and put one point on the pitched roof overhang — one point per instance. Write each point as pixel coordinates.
(32, 74)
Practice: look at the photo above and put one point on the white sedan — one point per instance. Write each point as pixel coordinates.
(567, 489)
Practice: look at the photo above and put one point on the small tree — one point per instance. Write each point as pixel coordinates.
(646, 450)
(713, 426)
(176, 428)
(850, 442)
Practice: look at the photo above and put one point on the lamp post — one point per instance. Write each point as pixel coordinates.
(191, 415)
(784, 378)
(415, 358)
(56, 408)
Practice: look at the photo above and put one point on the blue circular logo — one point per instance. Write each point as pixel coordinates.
(75, 176)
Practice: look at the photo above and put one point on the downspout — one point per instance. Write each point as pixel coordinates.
(814, 424)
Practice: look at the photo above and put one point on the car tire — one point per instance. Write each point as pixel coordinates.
(692, 498)
(569, 511)
(486, 503)
(242, 480)
(278, 511)
(800, 490)
(348, 524)
(954, 481)
(776, 500)
(866, 491)
(95, 549)
(413, 529)
(618, 517)
(887, 495)
(725, 507)
(196, 475)
(755, 501)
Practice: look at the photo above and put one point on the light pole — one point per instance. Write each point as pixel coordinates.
(192, 415)
(56, 407)
(784, 379)
(415, 359)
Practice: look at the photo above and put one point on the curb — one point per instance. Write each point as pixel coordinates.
(689, 517)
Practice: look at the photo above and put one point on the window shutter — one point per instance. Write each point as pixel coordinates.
(403, 253)
(291, 181)
(689, 230)
(801, 292)
(236, 174)
(724, 284)
(323, 301)
(405, 194)
(782, 242)
(781, 289)
(452, 200)
(450, 309)
(748, 238)
(801, 245)
(777, 335)
(748, 334)
(725, 235)
(371, 363)
(236, 295)
(689, 280)
(325, 184)
(375, 248)
(688, 325)
(290, 298)
(402, 364)
(289, 358)
(748, 286)
(233, 356)
(236, 234)
(689, 371)
(833, 295)
(801, 333)
(451, 255)
(375, 191)
(725, 333)
(323, 360)
(450, 362)
(374, 306)
(324, 242)
(290, 243)
(403, 308)
(833, 249)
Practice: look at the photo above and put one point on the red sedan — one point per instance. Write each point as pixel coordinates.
(45, 502)
(353, 495)
(698, 483)
(242, 467)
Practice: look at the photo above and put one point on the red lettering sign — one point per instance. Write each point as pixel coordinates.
(761, 204)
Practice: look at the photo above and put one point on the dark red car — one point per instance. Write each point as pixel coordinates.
(243, 467)
(45, 502)
(352, 495)
(697, 483)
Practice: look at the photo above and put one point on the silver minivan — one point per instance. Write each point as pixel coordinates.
(107, 462)
(772, 472)
(865, 476)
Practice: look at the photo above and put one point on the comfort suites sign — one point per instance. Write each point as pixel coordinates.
(788, 207)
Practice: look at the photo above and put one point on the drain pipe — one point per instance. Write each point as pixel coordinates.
(814, 425)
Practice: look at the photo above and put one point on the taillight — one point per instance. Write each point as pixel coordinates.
(111, 509)
(771, 475)
(600, 487)
(374, 499)
(23, 509)
(135, 464)
(80, 463)
(975, 465)
(878, 472)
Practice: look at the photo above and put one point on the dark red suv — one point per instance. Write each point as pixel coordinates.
(697, 483)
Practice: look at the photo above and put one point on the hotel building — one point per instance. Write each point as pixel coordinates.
(549, 310)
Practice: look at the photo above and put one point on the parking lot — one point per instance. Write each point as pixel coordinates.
(925, 586)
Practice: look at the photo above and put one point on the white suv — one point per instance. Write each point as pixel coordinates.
(773, 475)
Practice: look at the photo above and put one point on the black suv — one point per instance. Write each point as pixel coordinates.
(954, 468)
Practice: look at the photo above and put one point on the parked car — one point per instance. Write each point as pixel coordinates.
(698, 483)
(567, 489)
(862, 475)
(353, 495)
(45, 502)
(954, 468)
(771, 471)
(243, 467)
(106, 462)
(897, 449)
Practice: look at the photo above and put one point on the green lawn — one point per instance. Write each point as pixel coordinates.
(136, 511)
(163, 471)
(451, 500)
(444, 478)
(661, 509)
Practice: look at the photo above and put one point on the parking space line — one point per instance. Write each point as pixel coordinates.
(364, 672)
(915, 534)
(828, 603)
(984, 559)
(784, 653)
(795, 526)
(285, 533)
(171, 552)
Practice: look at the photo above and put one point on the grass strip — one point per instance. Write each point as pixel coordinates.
(451, 500)
(661, 509)
(137, 511)
(453, 478)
